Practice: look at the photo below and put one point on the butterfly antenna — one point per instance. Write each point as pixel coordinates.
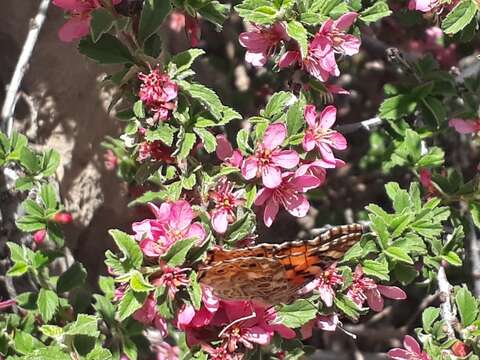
(253, 315)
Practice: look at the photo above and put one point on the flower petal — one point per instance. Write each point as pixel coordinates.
(338, 141)
(399, 354)
(328, 117)
(374, 300)
(309, 142)
(271, 176)
(220, 221)
(286, 159)
(310, 115)
(224, 149)
(411, 345)
(345, 21)
(262, 195)
(250, 168)
(274, 136)
(181, 215)
(392, 292)
(196, 230)
(270, 212)
(289, 58)
(75, 28)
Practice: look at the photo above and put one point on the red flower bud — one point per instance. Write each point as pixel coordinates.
(39, 236)
(63, 218)
(460, 349)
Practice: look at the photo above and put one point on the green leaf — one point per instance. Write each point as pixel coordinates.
(29, 223)
(195, 291)
(139, 111)
(52, 331)
(459, 17)
(131, 302)
(50, 353)
(250, 195)
(208, 139)
(467, 306)
(347, 306)
(296, 314)
(398, 254)
(128, 246)
(397, 106)
(26, 343)
(241, 228)
(435, 157)
(177, 253)
(297, 32)
(242, 141)
(32, 208)
(84, 325)
(101, 23)
(29, 160)
(184, 60)
(452, 258)
(18, 269)
(205, 96)
(429, 316)
(215, 12)
(375, 12)
(138, 282)
(295, 119)
(153, 14)
(107, 50)
(49, 163)
(162, 132)
(17, 253)
(475, 212)
(186, 145)
(277, 104)
(49, 196)
(47, 303)
(99, 353)
(74, 277)
(378, 269)
(257, 11)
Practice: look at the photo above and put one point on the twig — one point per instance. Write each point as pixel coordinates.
(446, 308)
(474, 254)
(368, 125)
(22, 65)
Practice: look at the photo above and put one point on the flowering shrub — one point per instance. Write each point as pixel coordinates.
(217, 178)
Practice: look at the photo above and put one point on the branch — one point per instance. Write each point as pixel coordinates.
(446, 308)
(368, 125)
(22, 65)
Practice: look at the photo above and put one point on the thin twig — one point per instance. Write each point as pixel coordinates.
(368, 125)
(22, 65)
(446, 308)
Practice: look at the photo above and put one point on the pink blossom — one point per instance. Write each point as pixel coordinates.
(110, 160)
(226, 153)
(314, 168)
(431, 5)
(465, 126)
(412, 351)
(165, 351)
(226, 201)
(78, 25)
(289, 194)
(323, 322)
(364, 289)
(325, 284)
(334, 30)
(261, 42)
(179, 20)
(158, 93)
(319, 133)
(319, 62)
(425, 177)
(172, 279)
(39, 236)
(268, 159)
(149, 315)
(155, 151)
(63, 218)
(173, 222)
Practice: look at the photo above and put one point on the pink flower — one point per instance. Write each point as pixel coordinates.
(149, 315)
(289, 194)
(364, 289)
(319, 62)
(465, 126)
(268, 159)
(323, 322)
(165, 351)
(158, 93)
(412, 351)
(314, 168)
(320, 134)
(110, 160)
(325, 284)
(431, 5)
(39, 236)
(334, 30)
(226, 153)
(425, 176)
(261, 42)
(63, 218)
(155, 151)
(78, 25)
(226, 202)
(172, 279)
(173, 222)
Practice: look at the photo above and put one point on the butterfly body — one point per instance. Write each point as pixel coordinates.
(273, 273)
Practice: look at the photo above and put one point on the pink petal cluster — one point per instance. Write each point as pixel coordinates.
(320, 135)
(225, 203)
(227, 154)
(155, 151)
(159, 94)
(80, 16)
(39, 236)
(290, 194)
(325, 284)
(412, 351)
(432, 42)
(179, 20)
(364, 289)
(173, 222)
(437, 6)
(172, 279)
(465, 126)
(261, 42)
(269, 159)
(148, 315)
(323, 322)
(332, 38)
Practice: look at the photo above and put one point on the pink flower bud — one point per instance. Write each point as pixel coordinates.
(63, 218)
(39, 236)
(460, 349)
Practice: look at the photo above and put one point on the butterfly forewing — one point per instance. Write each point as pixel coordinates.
(274, 273)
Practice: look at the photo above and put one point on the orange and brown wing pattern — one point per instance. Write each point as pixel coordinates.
(274, 273)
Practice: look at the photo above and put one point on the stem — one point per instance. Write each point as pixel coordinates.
(22, 65)
(446, 308)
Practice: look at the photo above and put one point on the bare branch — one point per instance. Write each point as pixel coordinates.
(368, 125)
(446, 308)
(22, 65)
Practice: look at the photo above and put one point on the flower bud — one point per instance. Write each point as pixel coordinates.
(39, 236)
(63, 218)
(460, 349)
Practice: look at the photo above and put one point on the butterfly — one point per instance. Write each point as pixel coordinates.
(273, 273)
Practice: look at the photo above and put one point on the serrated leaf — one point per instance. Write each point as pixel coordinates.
(49, 196)
(18, 269)
(459, 17)
(138, 283)
(467, 306)
(375, 12)
(398, 254)
(162, 132)
(347, 306)
(186, 145)
(184, 60)
(16, 252)
(49, 163)
(297, 32)
(139, 111)
(74, 276)
(52, 331)
(208, 139)
(84, 325)
(101, 22)
(195, 291)
(131, 302)
(296, 314)
(397, 106)
(378, 269)
(429, 316)
(47, 303)
(205, 96)
(177, 253)
(152, 16)
(26, 343)
(128, 246)
(107, 50)
(277, 104)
